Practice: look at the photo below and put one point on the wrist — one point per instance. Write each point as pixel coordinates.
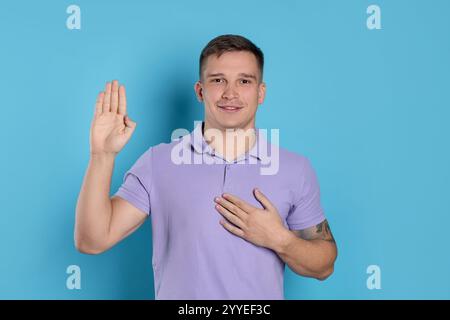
(284, 241)
(102, 156)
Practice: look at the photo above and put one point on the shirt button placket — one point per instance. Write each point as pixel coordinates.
(226, 170)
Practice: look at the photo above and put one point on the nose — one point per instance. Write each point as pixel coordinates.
(230, 92)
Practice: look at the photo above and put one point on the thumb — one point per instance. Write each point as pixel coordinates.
(130, 124)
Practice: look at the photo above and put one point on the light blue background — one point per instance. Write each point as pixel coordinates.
(370, 108)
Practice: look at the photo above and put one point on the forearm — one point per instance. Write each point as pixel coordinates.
(94, 209)
(309, 258)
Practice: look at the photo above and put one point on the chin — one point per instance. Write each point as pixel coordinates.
(230, 123)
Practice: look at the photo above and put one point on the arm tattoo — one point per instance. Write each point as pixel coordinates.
(321, 231)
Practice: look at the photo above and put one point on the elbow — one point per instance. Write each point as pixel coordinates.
(89, 251)
(84, 248)
(330, 269)
(326, 274)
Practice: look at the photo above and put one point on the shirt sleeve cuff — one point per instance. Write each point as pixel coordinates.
(132, 199)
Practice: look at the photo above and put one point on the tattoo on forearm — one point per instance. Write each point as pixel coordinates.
(321, 231)
(323, 228)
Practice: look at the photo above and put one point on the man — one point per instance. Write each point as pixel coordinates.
(221, 229)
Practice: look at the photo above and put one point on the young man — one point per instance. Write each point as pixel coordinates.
(221, 229)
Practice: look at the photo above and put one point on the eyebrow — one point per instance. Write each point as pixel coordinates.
(245, 75)
(215, 75)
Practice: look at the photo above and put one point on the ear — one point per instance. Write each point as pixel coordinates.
(198, 91)
(261, 92)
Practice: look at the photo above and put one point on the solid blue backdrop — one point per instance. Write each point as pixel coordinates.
(370, 108)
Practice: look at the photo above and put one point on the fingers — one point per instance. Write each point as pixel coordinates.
(113, 99)
(239, 202)
(122, 101)
(230, 216)
(99, 103)
(265, 202)
(114, 96)
(232, 229)
(231, 207)
(107, 99)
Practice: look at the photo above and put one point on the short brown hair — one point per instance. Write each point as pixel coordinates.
(227, 43)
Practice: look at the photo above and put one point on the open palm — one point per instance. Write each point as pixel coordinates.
(111, 127)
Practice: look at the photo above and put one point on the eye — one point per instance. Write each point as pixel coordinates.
(217, 80)
(245, 81)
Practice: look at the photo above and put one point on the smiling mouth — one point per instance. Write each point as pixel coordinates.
(230, 108)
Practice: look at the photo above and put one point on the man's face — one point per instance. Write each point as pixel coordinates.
(231, 89)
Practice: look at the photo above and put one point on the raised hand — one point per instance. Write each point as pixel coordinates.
(111, 127)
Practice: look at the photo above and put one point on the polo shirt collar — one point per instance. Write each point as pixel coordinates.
(200, 145)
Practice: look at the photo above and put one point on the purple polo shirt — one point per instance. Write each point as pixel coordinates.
(194, 257)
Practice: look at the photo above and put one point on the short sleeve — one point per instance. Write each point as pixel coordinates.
(307, 210)
(137, 183)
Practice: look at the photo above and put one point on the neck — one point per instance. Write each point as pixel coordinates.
(230, 143)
